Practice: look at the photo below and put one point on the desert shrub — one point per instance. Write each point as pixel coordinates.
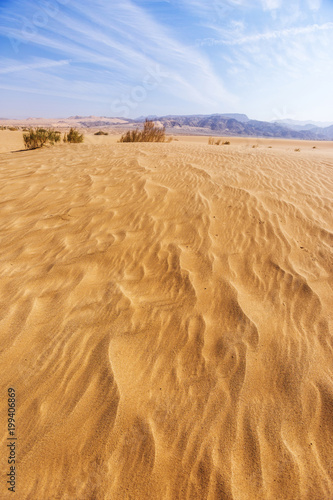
(226, 143)
(217, 142)
(13, 129)
(150, 133)
(73, 136)
(297, 150)
(131, 136)
(100, 132)
(36, 138)
(54, 136)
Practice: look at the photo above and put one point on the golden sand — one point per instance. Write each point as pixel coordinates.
(166, 319)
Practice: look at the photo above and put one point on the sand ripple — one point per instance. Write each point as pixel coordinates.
(166, 321)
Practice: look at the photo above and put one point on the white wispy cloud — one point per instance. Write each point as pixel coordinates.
(207, 56)
(16, 68)
(127, 41)
(269, 35)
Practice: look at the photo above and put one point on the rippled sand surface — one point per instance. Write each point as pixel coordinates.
(166, 321)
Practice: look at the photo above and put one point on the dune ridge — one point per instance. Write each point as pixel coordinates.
(166, 321)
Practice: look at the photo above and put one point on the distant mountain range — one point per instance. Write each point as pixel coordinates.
(236, 116)
(320, 129)
(235, 124)
(227, 124)
(302, 124)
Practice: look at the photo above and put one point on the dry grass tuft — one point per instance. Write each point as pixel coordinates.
(150, 133)
(212, 141)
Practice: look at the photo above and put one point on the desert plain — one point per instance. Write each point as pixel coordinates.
(166, 319)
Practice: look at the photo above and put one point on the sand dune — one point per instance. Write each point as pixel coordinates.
(166, 320)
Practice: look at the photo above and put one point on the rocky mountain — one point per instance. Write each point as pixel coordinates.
(227, 125)
(326, 132)
(303, 125)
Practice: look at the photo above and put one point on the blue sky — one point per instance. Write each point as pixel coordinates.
(270, 59)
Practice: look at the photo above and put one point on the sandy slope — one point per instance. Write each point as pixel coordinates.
(166, 321)
(11, 141)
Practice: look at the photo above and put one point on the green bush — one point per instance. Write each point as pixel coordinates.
(100, 132)
(73, 136)
(54, 136)
(36, 138)
(150, 133)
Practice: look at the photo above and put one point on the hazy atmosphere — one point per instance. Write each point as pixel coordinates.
(269, 59)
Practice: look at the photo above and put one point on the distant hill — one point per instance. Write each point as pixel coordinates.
(236, 116)
(223, 124)
(202, 120)
(226, 124)
(326, 132)
(303, 125)
(143, 118)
